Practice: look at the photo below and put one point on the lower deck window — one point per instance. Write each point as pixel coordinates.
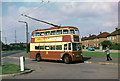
(41, 47)
(52, 47)
(36, 47)
(58, 47)
(46, 47)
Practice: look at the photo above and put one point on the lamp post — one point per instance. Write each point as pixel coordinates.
(26, 34)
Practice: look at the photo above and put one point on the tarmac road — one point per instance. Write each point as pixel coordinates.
(59, 70)
(4, 54)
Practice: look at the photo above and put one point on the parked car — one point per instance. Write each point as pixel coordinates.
(91, 49)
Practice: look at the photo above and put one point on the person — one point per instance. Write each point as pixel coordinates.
(107, 51)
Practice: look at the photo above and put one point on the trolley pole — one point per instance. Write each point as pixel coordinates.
(26, 34)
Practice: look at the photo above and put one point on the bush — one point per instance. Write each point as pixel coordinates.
(115, 46)
(106, 43)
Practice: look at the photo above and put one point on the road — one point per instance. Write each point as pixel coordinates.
(4, 54)
(59, 70)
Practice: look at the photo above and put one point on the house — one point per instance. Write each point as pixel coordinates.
(114, 37)
(100, 38)
(95, 40)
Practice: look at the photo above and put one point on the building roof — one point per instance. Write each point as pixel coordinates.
(92, 37)
(84, 38)
(103, 35)
(116, 32)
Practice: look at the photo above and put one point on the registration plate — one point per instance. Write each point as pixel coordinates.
(77, 55)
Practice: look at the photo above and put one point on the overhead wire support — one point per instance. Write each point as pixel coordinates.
(40, 20)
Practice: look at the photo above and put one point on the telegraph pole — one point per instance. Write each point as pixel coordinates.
(26, 34)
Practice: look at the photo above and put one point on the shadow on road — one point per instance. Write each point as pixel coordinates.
(57, 61)
(86, 58)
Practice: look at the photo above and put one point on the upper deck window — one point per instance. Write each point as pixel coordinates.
(76, 31)
(59, 32)
(72, 31)
(47, 33)
(42, 34)
(37, 33)
(53, 33)
(65, 31)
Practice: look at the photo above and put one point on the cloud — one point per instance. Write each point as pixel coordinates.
(110, 24)
(87, 9)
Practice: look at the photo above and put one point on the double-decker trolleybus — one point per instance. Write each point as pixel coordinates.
(56, 43)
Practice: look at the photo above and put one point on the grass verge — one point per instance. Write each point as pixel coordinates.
(100, 54)
(8, 68)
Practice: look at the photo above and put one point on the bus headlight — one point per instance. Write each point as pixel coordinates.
(73, 54)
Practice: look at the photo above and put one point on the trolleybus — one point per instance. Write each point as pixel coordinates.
(56, 43)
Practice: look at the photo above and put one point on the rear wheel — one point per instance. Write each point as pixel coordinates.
(67, 59)
(38, 57)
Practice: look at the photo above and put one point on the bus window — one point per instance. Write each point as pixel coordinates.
(76, 31)
(72, 31)
(53, 33)
(46, 47)
(76, 38)
(41, 47)
(52, 47)
(76, 46)
(36, 47)
(59, 32)
(69, 46)
(33, 34)
(65, 31)
(65, 46)
(37, 33)
(42, 34)
(47, 33)
(58, 47)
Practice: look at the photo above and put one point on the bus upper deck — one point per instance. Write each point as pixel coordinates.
(56, 34)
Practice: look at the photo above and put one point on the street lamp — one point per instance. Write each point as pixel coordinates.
(26, 34)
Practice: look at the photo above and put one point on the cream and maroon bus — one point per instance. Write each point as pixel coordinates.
(56, 43)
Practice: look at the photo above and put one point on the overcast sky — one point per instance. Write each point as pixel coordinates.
(89, 17)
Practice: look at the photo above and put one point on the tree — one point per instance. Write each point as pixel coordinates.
(106, 43)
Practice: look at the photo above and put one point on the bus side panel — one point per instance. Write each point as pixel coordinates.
(33, 54)
(66, 38)
(51, 55)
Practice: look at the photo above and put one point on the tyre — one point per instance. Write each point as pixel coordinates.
(38, 57)
(67, 59)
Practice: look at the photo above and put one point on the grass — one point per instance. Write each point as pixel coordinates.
(99, 54)
(8, 68)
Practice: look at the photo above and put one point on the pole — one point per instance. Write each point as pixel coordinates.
(26, 34)
(27, 37)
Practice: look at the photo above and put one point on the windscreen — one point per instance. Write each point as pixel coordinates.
(76, 46)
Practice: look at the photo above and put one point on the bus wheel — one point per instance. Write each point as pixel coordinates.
(67, 59)
(38, 57)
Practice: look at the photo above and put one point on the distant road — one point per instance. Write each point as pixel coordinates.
(4, 54)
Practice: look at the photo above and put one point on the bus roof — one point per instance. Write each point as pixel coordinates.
(52, 28)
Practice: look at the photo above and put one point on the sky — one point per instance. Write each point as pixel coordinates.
(90, 17)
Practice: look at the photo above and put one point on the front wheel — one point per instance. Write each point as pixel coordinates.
(67, 59)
